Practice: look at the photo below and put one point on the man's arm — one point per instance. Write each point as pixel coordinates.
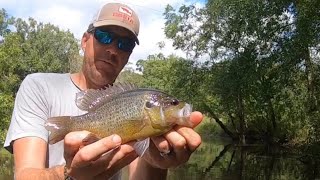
(97, 160)
(30, 159)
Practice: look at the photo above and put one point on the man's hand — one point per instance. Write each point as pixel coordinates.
(98, 159)
(175, 147)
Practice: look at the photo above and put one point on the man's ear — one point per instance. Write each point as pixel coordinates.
(84, 40)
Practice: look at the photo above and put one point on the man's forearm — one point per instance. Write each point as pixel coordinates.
(144, 171)
(54, 173)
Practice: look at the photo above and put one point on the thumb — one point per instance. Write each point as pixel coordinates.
(73, 141)
(195, 118)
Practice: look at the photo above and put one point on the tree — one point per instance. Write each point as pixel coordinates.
(259, 58)
(129, 75)
(174, 75)
(32, 47)
(5, 22)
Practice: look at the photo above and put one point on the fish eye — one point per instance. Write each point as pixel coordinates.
(148, 104)
(174, 102)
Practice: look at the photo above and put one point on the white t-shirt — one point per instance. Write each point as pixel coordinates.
(40, 96)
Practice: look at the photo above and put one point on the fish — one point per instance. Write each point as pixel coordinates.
(124, 109)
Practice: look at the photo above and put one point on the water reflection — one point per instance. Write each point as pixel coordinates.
(229, 161)
(222, 160)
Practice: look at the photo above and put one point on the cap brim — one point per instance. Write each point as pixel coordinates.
(116, 23)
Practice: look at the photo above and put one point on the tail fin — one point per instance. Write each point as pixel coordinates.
(59, 127)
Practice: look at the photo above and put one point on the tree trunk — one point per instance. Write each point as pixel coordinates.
(312, 101)
(241, 118)
(304, 39)
(272, 115)
(215, 117)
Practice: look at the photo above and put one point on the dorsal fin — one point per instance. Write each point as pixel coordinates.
(91, 99)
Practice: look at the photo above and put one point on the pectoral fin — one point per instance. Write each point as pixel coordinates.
(141, 146)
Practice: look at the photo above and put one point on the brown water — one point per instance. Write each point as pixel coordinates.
(221, 160)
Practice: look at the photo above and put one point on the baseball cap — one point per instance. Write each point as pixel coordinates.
(119, 15)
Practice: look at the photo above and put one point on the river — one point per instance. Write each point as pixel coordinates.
(220, 159)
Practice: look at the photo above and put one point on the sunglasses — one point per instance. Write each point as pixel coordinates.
(105, 37)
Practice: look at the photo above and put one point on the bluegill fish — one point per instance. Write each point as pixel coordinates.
(132, 113)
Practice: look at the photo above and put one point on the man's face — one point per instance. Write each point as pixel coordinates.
(103, 62)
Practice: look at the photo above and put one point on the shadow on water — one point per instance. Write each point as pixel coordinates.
(228, 161)
(220, 159)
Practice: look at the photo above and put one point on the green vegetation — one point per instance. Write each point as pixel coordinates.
(6, 164)
(262, 71)
(28, 47)
(253, 67)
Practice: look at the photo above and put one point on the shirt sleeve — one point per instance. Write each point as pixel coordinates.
(30, 112)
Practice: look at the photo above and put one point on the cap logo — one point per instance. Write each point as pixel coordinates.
(125, 10)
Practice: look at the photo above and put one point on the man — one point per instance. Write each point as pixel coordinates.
(107, 45)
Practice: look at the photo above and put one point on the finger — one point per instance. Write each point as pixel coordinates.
(193, 139)
(164, 146)
(177, 141)
(114, 162)
(195, 118)
(117, 167)
(95, 150)
(152, 156)
(89, 139)
(161, 143)
(72, 143)
(121, 152)
(180, 153)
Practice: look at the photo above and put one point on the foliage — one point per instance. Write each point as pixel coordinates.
(5, 22)
(6, 106)
(29, 47)
(129, 75)
(263, 62)
(252, 65)
(174, 75)
(6, 164)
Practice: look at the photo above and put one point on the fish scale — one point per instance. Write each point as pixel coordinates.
(112, 116)
(132, 113)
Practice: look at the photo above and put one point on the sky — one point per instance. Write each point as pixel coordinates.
(75, 15)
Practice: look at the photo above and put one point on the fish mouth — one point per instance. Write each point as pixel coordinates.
(186, 110)
(183, 116)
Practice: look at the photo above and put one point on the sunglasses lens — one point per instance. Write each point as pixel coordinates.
(126, 44)
(103, 36)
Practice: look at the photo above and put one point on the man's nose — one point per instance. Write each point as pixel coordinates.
(111, 51)
(113, 46)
